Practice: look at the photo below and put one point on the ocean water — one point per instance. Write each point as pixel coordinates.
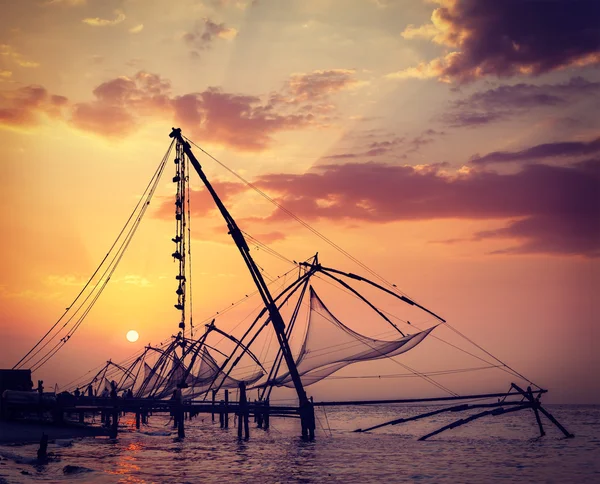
(492, 449)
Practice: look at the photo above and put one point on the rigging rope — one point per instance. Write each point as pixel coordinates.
(36, 349)
(300, 221)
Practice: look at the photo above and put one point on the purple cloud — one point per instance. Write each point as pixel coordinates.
(505, 38)
(547, 150)
(503, 102)
(552, 209)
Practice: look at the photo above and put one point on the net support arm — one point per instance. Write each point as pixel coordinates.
(378, 286)
(365, 300)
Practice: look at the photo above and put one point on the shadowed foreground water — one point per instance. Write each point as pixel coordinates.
(493, 449)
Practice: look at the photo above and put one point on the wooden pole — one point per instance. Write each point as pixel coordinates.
(115, 423)
(243, 413)
(566, 433)
(115, 411)
(458, 423)
(222, 414)
(42, 453)
(179, 412)
(226, 410)
(214, 395)
(535, 405)
(137, 419)
(259, 414)
(266, 415)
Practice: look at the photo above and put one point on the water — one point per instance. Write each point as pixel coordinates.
(493, 449)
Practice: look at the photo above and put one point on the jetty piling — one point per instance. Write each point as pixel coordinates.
(214, 395)
(226, 410)
(243, 413)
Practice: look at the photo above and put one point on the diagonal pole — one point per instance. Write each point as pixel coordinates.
(275, 316)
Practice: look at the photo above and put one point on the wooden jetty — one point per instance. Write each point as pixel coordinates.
(185, 369)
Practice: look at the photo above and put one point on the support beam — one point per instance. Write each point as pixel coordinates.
(214, 394)
(421, 400)
(226, 410)
(240, 242)
(536, 403)
(535, 407)
(458, 423)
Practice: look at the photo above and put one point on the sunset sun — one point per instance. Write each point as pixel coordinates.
(132, 336)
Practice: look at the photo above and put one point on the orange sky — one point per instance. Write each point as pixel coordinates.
(461, 169)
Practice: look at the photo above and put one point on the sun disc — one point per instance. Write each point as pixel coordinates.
(132, 336)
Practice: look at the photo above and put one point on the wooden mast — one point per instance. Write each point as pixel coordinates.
(306, 408)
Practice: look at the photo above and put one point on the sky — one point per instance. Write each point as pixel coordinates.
(452, 146)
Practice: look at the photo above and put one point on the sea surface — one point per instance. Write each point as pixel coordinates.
(491, 449)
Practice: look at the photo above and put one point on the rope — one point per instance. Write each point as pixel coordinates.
(299, 220)
(103, 281)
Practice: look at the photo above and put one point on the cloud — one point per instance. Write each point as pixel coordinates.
(101, 22)
(106, 120)
(536, 200)
(120, 101)
(68, 3)
(29, 106)
(205, 32)
(4, 74)
(137, 29)
(9, 52)
(563, 149)
(398, 146)
(381, 3)
(575, 234)
(372, 149)
(319, 85)
(238, 121)
(503, 102)
(507, 38)
(465, 119)
(241, 122)
(221, 4)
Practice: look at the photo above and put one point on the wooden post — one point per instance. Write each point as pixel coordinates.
(535, 404)
(42, 453)
(258, 414)
(137, 419)
(222, 414)
(115, 411)
(179, 412)
(538, 406)
(307, 420)
(115, 424)
(226, 410)
(81, 417)
(243, 413)
(266, 414)
(214, 395)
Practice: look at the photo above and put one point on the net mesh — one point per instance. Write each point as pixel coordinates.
(208, 372)
(329, 345)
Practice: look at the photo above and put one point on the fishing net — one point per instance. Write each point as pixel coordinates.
(208, 372)
(329, 346)
(150, 381)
